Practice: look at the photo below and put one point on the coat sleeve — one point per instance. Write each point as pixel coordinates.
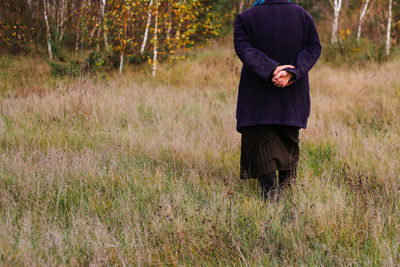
(252, 58)
(309, 55)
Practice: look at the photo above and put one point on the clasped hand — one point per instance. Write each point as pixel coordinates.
(282, 77)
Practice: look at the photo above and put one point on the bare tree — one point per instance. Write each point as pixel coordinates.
(389, 24)
(364, 10)
(146, 31)
(337, 6)
(46, 19)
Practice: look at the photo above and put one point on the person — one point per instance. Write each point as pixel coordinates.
(278, 44)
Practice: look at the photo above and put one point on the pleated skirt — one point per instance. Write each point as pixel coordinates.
(267, 148)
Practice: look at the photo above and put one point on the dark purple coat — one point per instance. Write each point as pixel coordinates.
(274, 33)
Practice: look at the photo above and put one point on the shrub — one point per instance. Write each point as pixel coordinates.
(353, 51)
(139, 58)
(96, 62)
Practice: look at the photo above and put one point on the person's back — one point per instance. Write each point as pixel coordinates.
(277, 28)
(278, 44)
(266, 36)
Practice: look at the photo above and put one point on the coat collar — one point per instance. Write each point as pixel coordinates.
(276, 2)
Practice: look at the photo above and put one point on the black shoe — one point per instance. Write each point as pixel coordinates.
(268, 185)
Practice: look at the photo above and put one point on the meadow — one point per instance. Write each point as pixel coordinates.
(131, 170)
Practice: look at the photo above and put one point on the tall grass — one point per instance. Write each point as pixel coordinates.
(136, 171)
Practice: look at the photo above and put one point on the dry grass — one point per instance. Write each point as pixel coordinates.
(20, 75)
(139, 171)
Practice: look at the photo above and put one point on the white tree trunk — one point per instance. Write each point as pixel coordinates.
(362, 15)
(62, 20)
(337, 6)
(155, 42)
(97, 41)
(81, 4)
(241, 6)
(46, 19)
(121, 63)
(146, 31)
(103, 15)
(169, 27)
(56, 15)
(77, 41)
(169, 23)
(389, 24)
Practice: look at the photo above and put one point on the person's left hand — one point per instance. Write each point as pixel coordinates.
(282, 79)
(282, 67)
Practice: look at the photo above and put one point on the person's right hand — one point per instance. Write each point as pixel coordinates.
(282, 79)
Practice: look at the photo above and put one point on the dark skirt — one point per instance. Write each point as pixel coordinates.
(267, 148)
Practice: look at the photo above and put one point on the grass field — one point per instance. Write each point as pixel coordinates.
(132, 170)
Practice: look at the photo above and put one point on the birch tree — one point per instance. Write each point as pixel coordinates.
(337, 6)
(364, 10)
(241, 4)
(103, 17)
(46, 19)
(77, 25)
(146, 31)
(169, 22)
(62, 16)
(179, 7)
(125, 27)
(155, 42)
(388, 29)
(123, 37)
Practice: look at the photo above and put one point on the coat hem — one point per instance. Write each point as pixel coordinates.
(289, 123)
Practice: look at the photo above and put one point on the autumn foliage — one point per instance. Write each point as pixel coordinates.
(124, 28)
(139, 31)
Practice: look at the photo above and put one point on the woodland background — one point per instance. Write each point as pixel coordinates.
(137, 31)
(118, 143)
